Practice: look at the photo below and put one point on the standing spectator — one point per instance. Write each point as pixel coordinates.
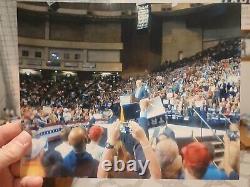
(64, 148)
(79, 161)
(95, 135)
(196, 159)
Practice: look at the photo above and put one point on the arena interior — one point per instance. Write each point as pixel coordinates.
(133, 82)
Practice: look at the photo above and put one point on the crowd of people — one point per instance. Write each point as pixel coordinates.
(134, 154)
(208, 82)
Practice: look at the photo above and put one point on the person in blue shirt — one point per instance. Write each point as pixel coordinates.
(213, 172)
(79, 161)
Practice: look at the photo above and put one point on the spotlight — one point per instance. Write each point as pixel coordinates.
(55, 71)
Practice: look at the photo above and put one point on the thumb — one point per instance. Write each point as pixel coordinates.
(14, 150)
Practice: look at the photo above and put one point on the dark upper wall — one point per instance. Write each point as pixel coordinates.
(33, 27)
(103, 32)
(222, 27)
(85, 30)
(200, 30)
(68, 28)
(142, 49)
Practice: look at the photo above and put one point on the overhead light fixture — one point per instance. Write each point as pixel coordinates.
(50, 2)
(53, 6)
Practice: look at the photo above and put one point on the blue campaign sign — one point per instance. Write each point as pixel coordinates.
(157, 121)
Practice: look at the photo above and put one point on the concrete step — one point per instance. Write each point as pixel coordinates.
(217, 160)
(219, 150)
(216, 143)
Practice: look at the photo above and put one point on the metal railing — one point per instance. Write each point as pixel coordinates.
(228, 120)
(209, 127)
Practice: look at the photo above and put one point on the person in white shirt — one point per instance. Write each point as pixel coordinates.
(95, 135)
(67, 115)
(64, 148)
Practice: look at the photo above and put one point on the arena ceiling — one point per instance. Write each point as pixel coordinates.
(122, 10)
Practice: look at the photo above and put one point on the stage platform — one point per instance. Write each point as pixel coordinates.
(186, 131)
(183, 131)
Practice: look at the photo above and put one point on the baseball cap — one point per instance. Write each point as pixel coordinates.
(196, 154)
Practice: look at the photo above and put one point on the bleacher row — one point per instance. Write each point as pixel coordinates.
(213, 117)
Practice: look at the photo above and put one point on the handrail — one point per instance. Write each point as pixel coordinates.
(195, 139)
(209, 127)
(226, 118)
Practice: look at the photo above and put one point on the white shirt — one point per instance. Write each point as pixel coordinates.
(67, 116)
(64, 148)
(95, 150)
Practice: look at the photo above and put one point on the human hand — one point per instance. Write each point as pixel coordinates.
(226, 140)
(138, 133)
(14, 143)
(114, 133)
(144, 104)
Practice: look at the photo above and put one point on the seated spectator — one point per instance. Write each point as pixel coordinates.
(196, 159)
(95, 135)
(64, 148)
(78, 157)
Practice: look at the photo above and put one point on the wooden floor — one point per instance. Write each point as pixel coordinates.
(59, 182)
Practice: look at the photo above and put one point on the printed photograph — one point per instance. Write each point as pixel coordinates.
(134, 91)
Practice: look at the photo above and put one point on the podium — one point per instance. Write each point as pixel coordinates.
(130, 110)
(156, 113)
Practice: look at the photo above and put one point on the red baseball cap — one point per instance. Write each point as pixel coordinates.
(196, 154)
(95, 132)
